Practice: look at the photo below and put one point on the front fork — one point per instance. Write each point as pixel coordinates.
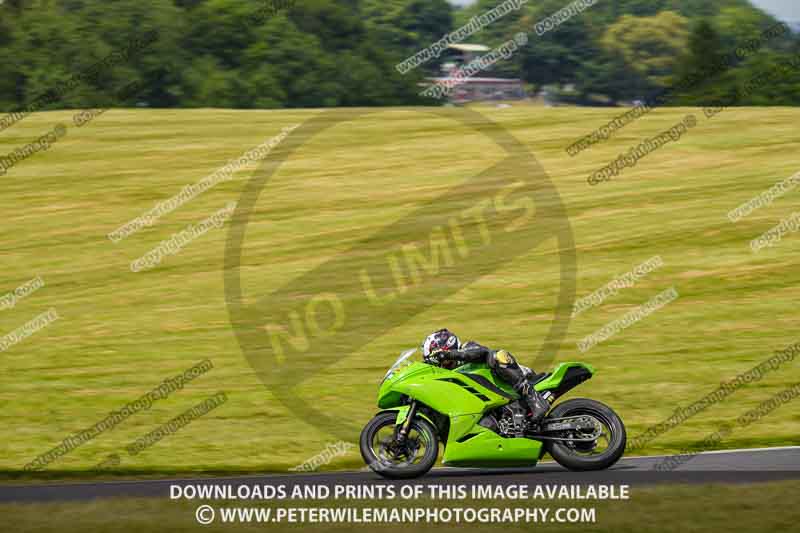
(405, 425)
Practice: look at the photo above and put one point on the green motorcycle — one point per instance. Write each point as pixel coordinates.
(481, 422)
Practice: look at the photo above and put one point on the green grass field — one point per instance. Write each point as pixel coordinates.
(122, 333)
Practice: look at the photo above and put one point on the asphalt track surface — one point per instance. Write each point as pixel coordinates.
(737, 466)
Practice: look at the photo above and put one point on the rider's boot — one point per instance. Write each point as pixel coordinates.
(536, 402)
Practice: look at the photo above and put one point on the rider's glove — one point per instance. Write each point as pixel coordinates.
(437, 355)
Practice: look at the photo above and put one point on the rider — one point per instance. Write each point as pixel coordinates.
(444, 346)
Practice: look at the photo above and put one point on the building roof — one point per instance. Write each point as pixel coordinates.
(476, 80)
(469, 47)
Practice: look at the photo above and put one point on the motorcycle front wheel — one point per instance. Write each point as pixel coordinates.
(386, 457)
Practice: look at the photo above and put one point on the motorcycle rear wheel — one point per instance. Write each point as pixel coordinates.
(579, 456)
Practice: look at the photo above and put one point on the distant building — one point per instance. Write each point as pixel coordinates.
(476, 88)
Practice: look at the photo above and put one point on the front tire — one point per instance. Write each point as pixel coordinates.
(386, 459)
(581, 456)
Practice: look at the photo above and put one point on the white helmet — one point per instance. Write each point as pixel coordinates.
(440, 340)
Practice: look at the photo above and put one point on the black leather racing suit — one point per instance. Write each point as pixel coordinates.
(504, 367)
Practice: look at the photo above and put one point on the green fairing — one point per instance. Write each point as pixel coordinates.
(463, 398)
(486, 372)
(488, 449)
(555, 379)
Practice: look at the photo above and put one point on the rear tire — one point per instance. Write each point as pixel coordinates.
(398, 469)
(569, 457)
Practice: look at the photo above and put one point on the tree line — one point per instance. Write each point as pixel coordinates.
(323, 53)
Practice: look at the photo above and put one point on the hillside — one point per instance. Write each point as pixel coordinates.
(121, 333)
